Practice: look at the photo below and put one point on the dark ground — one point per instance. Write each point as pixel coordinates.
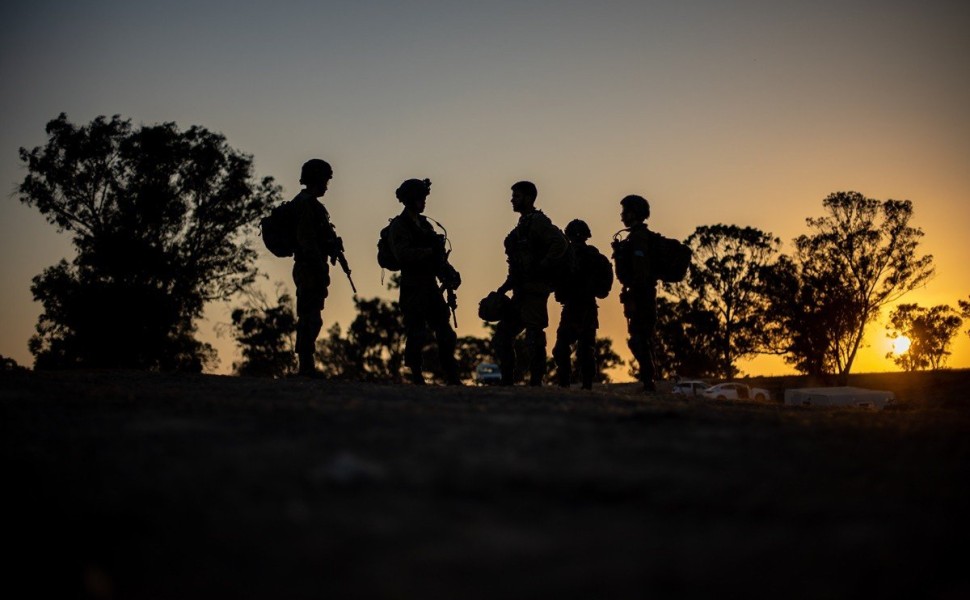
(125, 485)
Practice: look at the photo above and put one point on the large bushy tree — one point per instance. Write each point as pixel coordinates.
(687, 341)
(929, 330)
(859, 257)
(266, 335)
(377, 337)
(159, 218)
(724, 283)
(811, 316)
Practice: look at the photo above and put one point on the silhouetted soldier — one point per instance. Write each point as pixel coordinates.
(533, 248)
(639, 294)
(316, 241)
(421, 253)
(593, 278)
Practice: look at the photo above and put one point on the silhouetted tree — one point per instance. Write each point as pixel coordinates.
(724, 281)
(159, 218)
(9, 365)
(811, 315)
(378, 337)
(337, 357)
(373, 348)
(859, 257)
(687, 340)
(266, 335)
(965, 310)
(930, 331)
(471, 352)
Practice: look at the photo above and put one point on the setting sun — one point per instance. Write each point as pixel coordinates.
(900, 345)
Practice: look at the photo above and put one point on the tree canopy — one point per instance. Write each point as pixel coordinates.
(724, 284)
(859, 257)
(161, 221)
(929, 330)
(266, 335)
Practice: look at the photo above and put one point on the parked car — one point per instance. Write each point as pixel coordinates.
(736, 391)
(488, 373)
(690, 387)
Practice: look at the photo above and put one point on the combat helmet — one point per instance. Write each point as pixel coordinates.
(493, 307)
(413, 189)
(578, 230)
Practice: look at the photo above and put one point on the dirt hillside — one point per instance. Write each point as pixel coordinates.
(130, 485)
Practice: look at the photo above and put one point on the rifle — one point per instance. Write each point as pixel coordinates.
(339, 256)
(453, 305)
(450, 278)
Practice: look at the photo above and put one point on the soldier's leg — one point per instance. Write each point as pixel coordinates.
(562, 351)
(308, 326)
(535, 318)
(641, 345)
(447, 340)
(585, 354)
(503, 345)
(416, 336)
(311, 293)
(535, 341)
(413, 347)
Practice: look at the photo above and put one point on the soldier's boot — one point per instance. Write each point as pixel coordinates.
(506, 363)
(587, 371)
(562, 375)
(308, 367)
(504, 351)
(416, 376)
(449, 365)
(452, 378)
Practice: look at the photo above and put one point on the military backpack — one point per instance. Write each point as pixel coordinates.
(385, 255)
(278, 229)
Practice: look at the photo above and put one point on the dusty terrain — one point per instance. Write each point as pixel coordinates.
(126, 485)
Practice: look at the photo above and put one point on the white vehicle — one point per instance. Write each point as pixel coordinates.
(690, 387)
(488, 373)
(736, 391)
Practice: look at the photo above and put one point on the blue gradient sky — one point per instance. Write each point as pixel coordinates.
(747, 113)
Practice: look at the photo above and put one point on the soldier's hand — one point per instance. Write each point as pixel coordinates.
(454, 280)
(450, 277)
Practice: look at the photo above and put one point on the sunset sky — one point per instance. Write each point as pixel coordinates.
(745, 113)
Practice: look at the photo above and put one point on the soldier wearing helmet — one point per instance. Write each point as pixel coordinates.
(316, 241)
(639, 294)
(423, 259)
(580, 314)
